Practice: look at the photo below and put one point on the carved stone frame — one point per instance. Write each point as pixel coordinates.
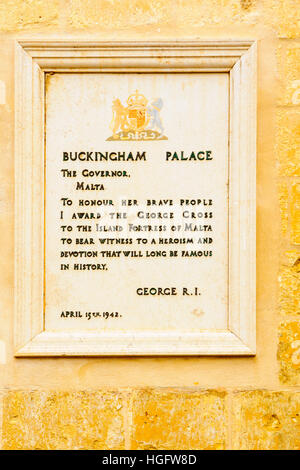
(33, 60)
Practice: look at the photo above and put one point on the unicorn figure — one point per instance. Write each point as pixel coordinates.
(153, 110)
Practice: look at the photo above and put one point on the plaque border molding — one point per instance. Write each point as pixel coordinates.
(33, 59)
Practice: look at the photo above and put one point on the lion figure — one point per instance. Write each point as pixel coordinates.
(119, 119)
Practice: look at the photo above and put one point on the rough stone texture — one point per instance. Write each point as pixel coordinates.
(295, 215)
(289, 284)
(264, 420)
(178, 419)
(289, 352)
(283, 17)
(289, 73)
(57, 420)
(119, 13)
(216, 12)
(24, 14)
(288, 141)
(284, 207)
(280, 16)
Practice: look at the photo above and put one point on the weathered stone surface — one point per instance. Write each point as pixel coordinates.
(289, 283)
(295, 215)
(288, 142)
(284, 207)
(289, 73)
(289, 352)
(283, 17)
(119, 13)
(180, 13)
(178, 419)
(24, 14)
(264, 420)
(57, 420)
(277, 15)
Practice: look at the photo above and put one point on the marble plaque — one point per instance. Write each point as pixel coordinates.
(136, 207)
(145, 196)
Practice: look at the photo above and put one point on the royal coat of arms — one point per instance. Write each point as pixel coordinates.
(139, 120)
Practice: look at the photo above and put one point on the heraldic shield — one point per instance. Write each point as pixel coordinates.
(140, 120)
(137, 116)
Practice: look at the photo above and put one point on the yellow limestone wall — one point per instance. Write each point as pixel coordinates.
(170, 403)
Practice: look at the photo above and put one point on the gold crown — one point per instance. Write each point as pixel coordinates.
(137, 99)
